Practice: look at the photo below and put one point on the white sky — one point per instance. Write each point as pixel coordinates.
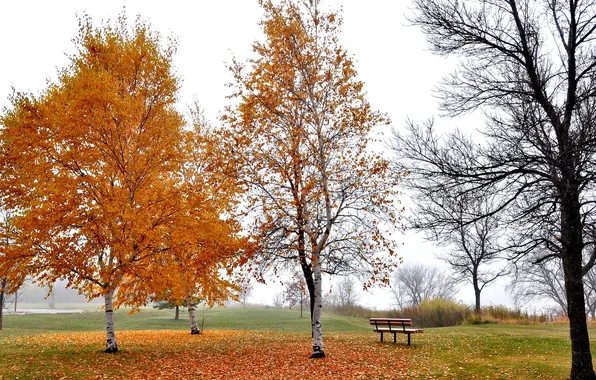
(391, 58)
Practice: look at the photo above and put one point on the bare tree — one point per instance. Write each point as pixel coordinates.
(590, 290)
(346, 293)
(278, 300)
(12, 299)
(529, 65)
(448, 217)
(295, 292)
(246, 288)
(413, 283)
(546, 281)
(540, 281)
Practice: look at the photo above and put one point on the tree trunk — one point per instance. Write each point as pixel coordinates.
(192, 317)
(310, 285)
(312, 302)
(301, 302)
(177, 315)
(572, 239)
(306, 267)
(16, 299)
(581, 358)
(111, 345)
(477, 291)
(52, 300)
(317, 308)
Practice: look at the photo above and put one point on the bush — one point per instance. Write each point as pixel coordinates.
(477, 319)
(430, 313)
(436, 313)
(502, 314)
(440, 313)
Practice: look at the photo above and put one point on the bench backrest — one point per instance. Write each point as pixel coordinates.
(391, 322)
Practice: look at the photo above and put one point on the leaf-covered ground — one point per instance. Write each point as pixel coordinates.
(167, 354)
(213, 355)
(274, 344)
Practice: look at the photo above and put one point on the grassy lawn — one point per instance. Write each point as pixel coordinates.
(268, 343)
(153, 319)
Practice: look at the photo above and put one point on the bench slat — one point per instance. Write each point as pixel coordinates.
(406, 331)
(392, 323)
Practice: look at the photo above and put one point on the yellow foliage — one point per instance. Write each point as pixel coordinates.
(107, 186)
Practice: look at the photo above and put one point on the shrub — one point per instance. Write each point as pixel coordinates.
(430, 313)
(503, 314)
(477, 319)
(436, 313)
(440, 313)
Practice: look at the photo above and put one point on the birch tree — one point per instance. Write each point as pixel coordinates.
(95, 172)
(320, 200)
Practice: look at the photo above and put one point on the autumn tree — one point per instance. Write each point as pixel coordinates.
(163, 304)
(197, 275)
(300, 127)
(196, 271)
(97, 171)
(529, 65)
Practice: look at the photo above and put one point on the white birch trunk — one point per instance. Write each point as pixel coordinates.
(317, 331)
(192, 317)
(111, 345)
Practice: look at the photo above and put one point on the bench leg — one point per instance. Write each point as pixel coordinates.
(394, 338)
(381, 336)
(408, 339)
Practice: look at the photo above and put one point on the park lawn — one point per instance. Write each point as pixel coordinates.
(501, 351)
(269, 343)
(152, 319)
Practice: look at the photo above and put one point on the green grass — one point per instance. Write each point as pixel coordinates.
(499, 351)
(153, 319)
(462, 352)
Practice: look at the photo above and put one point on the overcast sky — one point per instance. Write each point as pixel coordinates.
(391, 57)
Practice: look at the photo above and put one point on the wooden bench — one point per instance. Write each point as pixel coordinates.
(394, 326)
